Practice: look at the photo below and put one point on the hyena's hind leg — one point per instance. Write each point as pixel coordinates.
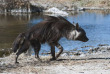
(20, 52)
(17, 42)
(24, 47)
(36, 45)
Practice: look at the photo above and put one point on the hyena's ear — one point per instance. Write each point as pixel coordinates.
(77, 26)
(74, 24)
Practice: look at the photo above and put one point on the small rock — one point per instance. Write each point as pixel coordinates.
(103, 45)
(82, 55)
(74, 49)
(77, 53)
(64, 54)
(57, 11)
(65, 8)
(81, 72)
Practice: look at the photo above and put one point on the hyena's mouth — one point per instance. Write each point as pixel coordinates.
(85, 40)
(82, 39)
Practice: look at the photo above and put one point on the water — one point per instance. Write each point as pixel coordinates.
(95, 23)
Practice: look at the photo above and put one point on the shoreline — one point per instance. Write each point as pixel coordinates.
(94, 8)
(67, 10)
(38, 6)
(87, 63)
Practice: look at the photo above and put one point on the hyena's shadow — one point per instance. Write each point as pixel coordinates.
(82, 59)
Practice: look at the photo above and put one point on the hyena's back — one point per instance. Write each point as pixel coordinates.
(51, 30)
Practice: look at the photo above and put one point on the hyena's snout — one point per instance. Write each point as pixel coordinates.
(85, 39)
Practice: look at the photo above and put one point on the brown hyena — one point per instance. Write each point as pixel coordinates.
(49, 30)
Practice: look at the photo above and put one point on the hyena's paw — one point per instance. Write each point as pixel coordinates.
(52, 59)
(16, 62)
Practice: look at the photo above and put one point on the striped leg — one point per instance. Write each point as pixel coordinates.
(53, 52)
(60, 48)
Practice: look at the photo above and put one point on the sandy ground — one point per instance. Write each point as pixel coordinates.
(94, 63)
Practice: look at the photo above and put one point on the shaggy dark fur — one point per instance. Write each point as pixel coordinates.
(50, 30)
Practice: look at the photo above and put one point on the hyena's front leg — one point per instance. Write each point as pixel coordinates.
(53, 52)
(60, 49)
(36, 45)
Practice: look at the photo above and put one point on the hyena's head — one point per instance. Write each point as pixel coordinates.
(78, 34)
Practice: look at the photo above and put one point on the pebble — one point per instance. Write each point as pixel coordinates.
(64, 54)
(82, 55)
(103, 45)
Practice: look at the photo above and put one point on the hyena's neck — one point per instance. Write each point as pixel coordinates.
(73, 34)
(70, 33)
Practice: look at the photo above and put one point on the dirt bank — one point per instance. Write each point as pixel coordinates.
(72, 4)
(27, 6)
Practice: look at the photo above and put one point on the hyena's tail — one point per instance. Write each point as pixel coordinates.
(18, 41)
